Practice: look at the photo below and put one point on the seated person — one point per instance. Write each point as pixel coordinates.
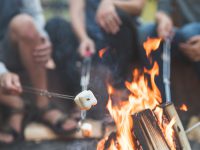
(24, 44)
(186, 38)
(96, 24)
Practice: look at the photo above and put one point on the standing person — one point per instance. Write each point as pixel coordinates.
(179, 19)
(96, 24)
(24, 44)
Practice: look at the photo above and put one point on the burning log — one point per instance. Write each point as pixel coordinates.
(148, 135)
(112, 137)
(170, 112)
(148, 132)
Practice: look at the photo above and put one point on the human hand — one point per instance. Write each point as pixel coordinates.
(107, 17)
(87, 47)
(192, 48)
(10, 83)
(42, 53)
(165, 25)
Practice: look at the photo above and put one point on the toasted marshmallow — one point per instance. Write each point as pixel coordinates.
(86, 129)
(85, 100)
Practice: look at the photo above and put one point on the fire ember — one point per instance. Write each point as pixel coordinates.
(142, 122)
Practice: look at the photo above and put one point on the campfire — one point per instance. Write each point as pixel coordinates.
(142, 122)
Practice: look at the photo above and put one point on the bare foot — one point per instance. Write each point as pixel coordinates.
(53, 116)
(6, 138)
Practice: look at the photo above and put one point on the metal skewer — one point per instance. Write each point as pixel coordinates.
(41, 92)
(166, 68)
(193, 127)
(85, 79)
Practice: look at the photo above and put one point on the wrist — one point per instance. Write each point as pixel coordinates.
(84, 38)
(161, 16)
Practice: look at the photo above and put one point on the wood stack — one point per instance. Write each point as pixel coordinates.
(148, 133)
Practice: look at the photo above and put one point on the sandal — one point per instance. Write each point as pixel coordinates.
(17, 136)
(58, 126)
(8, 130)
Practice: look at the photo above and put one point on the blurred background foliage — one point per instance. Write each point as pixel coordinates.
(60, 8)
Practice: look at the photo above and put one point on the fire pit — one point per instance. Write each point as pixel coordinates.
(141, 121)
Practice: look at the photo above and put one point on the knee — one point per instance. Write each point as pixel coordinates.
(23, 27)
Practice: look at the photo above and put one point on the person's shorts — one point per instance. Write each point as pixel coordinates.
(9, 54)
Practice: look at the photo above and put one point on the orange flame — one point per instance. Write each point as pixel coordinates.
(100, 145)
(112, 146)
(184, 107)
(169, 133)
(102, 52)
(144, 95)
(151, 44)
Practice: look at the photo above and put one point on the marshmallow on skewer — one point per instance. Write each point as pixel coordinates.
(86, 129)
(85, 100)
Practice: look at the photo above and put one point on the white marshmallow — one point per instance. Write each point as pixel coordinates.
(85, 100)
(86, 129)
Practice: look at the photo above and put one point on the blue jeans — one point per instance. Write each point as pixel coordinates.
(186, 32)
(181, 35)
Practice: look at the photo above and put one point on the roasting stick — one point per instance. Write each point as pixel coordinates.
(85, 79)
(193, 127)
(166, 68)
(41, 92)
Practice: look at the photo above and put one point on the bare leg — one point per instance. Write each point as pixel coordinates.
(25, 36)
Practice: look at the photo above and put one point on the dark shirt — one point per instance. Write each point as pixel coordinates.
(91, 24)
(185, 11)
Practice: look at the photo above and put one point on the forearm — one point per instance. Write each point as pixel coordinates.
(77, 13)
(133, 7)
